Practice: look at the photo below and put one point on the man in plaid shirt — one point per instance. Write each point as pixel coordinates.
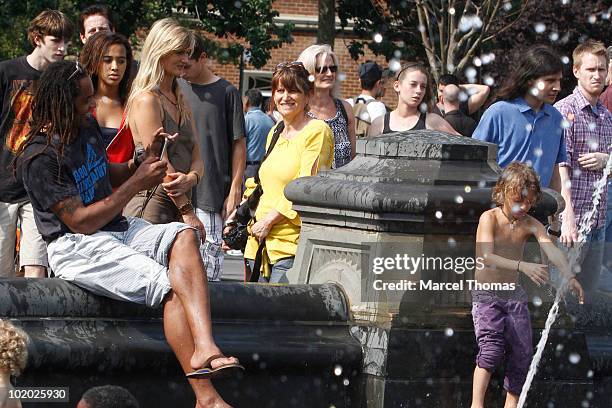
(588, 137)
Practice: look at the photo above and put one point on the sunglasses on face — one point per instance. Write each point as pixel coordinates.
(331, 68)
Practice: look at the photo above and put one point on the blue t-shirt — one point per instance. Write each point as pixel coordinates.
(50, 178)
(257, 125)
(523, 135)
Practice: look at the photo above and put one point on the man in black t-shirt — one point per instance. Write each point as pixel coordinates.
(217, 109)
(461, 122)
(69, 181)
(49, 34)
(474, 95)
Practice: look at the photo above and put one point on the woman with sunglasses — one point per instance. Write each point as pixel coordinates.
(107, 58)
(156, 104)
(322, 64)
(414, 105)
(304, 146)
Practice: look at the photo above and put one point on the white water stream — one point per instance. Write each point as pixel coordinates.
(574, 255)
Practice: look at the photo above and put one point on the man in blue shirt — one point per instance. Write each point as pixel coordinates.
(257, 126)
(523, 123)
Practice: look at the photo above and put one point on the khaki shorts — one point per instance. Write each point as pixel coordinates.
(32, 248)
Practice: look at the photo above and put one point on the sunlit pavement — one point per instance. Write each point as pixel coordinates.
(233, 268)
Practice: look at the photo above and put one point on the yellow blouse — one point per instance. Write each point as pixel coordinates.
(289, 160)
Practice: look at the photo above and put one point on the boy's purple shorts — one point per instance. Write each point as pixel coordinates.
(503, 331)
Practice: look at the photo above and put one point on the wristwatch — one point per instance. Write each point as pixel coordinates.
(552, 232)
(186, 208)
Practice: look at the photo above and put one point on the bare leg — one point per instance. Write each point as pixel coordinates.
(188, 280)
(34, 271)
(479, 386)
(179, 337)
(511, 400)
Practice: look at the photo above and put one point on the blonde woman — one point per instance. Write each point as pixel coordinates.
(156, 105)
(322, 65)
(13, 359)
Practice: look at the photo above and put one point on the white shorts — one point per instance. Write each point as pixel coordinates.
(130, 265)
(32, 248)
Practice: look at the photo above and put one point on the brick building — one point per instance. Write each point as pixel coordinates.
(304, 15)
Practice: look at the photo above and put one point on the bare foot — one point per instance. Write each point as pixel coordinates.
(201, 355)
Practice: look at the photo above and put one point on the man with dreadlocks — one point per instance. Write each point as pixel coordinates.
(49, 33)
(69, 181)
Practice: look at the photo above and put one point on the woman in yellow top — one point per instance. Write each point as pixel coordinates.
(305, 146)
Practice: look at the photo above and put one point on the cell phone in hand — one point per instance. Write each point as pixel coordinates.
(164, 148)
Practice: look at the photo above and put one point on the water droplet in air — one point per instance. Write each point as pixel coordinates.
(467, 189)
(592, 19)
(565, 124)
(538, 152)
(459, 199)
(255, 357)
(488, 80)
(559, 347)
(554, 36)
(574, 358)
(319, 332)
(346, 382)
(540, 27)
(341, 76)
(592, 125)
(395, 65)
(378, 38)
(477, 61)
(448, 332)
(470, 72)
(438, 214)
(338, 370)
(451, 11)
(565, 59)
(537, 301)
(311, 78)
(451, 242)
(590, 374)
(529, 127)
(507, 6)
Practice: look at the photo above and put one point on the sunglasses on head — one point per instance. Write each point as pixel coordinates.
(331, 68)
(284, 65)
(78, 70)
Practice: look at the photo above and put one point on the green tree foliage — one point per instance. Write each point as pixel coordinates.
(448, 32)
(240, 26)
(236, 25)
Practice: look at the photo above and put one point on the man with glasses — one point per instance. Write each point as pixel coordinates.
(49, 34)
(217, 110)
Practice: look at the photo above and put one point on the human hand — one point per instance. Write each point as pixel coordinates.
(538, 273)
(150, 173)
(192, 220)
(261, 229)
(569, 232)
(155, 148)
(593, 161)
(575, 289)
(177, 183)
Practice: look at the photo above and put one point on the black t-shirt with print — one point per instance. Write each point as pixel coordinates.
(82, 170)
(17, 82)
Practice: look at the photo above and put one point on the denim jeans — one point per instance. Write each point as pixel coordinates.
(605, 280)
(278, 272)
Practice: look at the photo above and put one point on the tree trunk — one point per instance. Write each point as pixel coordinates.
(326, 31)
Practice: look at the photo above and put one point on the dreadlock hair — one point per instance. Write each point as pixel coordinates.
(53, 106)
